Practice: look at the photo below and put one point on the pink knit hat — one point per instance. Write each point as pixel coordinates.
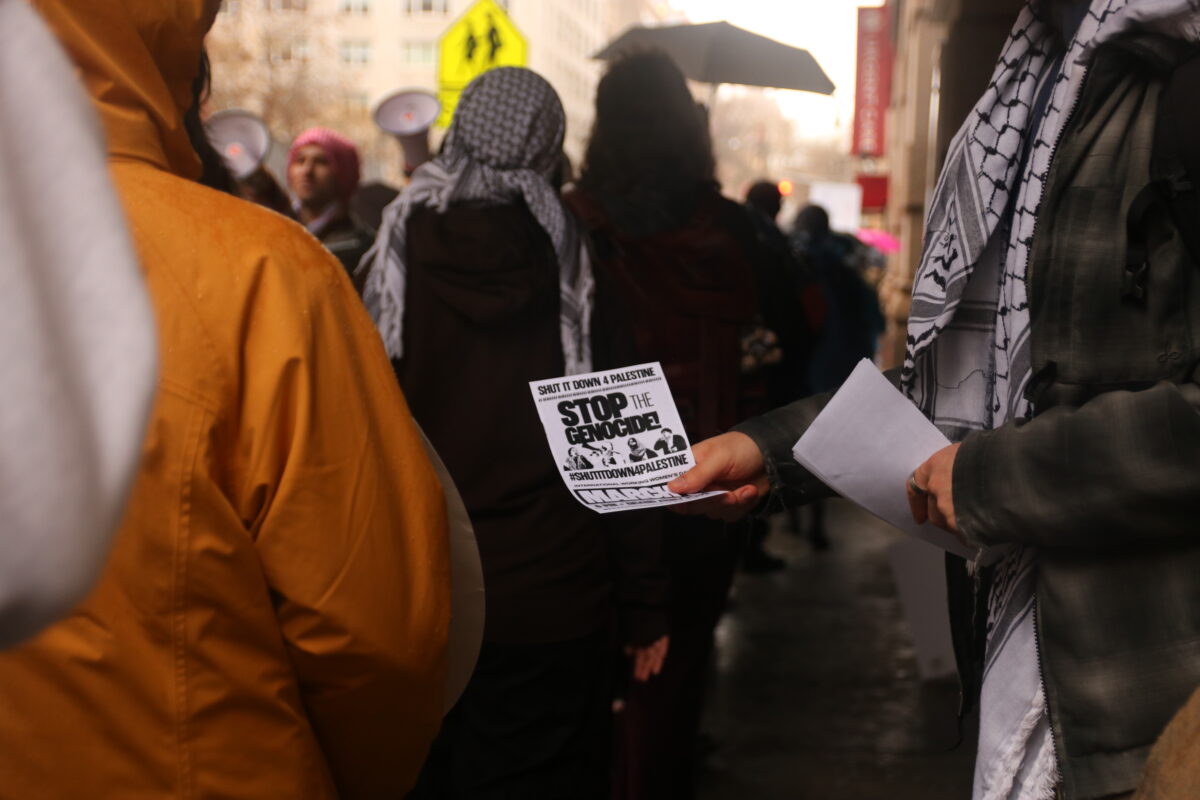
(340, 151)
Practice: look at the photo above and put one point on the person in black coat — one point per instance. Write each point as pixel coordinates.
(476, 285)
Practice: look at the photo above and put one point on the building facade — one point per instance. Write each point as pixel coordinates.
(304, 62)
(945, 52)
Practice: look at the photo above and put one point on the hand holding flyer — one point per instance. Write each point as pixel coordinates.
(869, 464)
(617, 436)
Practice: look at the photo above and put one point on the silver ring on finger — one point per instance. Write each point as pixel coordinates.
(912, 484)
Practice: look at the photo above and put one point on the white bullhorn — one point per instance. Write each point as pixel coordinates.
(241, 138)
(408, 115)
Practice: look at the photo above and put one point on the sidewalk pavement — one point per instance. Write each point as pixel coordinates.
(816, 693)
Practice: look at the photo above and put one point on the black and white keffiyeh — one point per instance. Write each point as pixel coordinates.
(505, 143)
(968, 358)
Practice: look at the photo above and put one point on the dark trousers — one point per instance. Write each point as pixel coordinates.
(656, 731)
(534, 722)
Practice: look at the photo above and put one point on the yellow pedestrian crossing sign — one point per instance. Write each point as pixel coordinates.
(482, 38)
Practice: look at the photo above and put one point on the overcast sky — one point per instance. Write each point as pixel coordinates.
(826, 28)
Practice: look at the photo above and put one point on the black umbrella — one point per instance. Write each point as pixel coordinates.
(717, 52)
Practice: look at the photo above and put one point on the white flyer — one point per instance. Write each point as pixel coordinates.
(865, 444)
(616, 437)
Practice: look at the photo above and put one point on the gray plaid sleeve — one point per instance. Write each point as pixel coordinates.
(1124, 466)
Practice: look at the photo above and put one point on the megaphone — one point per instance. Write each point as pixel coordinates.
(408, 115)
(241, 138)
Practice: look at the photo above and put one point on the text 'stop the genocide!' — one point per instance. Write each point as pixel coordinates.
(616, 436)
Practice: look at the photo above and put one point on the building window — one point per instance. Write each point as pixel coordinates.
(354, 51)
(230, 6)
(426, 7)
(297, 50)
(285, 5)
(354, 6)
(418, 52)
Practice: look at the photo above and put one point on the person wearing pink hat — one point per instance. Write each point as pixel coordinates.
(322, 173)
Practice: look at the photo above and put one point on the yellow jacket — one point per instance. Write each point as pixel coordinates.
(272, 620)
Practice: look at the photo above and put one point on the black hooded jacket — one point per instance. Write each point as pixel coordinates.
(481, 321)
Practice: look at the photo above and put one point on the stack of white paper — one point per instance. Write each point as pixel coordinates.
(866, 443)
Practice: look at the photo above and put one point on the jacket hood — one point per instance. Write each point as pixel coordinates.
(138, 59)
(491, 264)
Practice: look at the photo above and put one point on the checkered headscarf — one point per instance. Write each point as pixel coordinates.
(504, 144)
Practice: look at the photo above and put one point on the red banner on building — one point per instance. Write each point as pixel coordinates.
(874, 192)
(874, 84)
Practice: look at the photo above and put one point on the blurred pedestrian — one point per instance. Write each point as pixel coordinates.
(676, 257)
(77, 339)
(323, 175)
(789, 296)
(272, 620)
(792, 305)
(852, 324)
(853, 319)
(1052, 339)
(477, 286)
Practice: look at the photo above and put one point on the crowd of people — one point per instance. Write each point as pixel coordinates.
(273, 618)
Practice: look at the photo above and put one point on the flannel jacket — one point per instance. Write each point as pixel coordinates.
(1105, 479)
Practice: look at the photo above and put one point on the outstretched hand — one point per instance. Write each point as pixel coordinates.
(731, 462)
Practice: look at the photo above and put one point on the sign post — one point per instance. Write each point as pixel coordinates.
(482, 38)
